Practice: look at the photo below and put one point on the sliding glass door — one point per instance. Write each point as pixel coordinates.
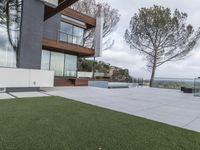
(64, 65)
(57, 63)
(70, 65)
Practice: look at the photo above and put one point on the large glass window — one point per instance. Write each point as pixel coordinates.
(66, 32)
(45, 60)
(71, 34)
(57, 63)
(70, 65)
(64, 65)
(78, 35)
(10, 19)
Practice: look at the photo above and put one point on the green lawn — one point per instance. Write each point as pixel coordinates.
(54, 123)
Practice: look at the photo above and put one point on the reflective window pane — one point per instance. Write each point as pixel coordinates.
(66, 28)
(57, 63)
(71, 34)
(69, 39)
(63, 37)
(45, 60)
(78, 35)
(75, 40)
(9, 32)
(70, 65)
(62, 64)
(78, 31)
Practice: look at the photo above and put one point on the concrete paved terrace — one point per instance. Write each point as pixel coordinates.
(167, 106)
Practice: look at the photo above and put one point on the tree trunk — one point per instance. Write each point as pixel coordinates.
(153, 69)
(152, 76)
(93, 68)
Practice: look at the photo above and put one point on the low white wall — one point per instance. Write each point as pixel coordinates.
(89, 74)
(10, 77)
(84, 75)
(99, 74)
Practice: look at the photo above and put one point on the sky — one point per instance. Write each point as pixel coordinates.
(122, 56)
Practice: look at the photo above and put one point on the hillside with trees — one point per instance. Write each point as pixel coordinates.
(104, 70)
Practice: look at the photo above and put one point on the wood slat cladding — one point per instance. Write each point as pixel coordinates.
(90, 21)
(70, 82)
(81, 82)
(63, 82)
(49, 11)
(67, 48)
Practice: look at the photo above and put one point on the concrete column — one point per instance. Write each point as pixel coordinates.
(29, 56)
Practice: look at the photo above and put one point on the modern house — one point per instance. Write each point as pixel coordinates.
(40, 42)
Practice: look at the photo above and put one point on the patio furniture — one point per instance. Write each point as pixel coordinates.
(187, 90)
(182, 89)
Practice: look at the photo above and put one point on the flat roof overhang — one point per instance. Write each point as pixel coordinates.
(62, 4)
(90, 21)
(67, 48)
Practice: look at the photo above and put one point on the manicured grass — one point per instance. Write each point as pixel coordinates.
(54, 123)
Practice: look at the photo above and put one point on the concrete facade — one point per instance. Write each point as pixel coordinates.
(40, 28)
(51, 27)
(31, 34)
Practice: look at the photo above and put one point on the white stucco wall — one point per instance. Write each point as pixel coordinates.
(10, 78)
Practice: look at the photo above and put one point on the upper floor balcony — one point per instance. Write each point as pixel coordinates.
(64, 32)
(66, 47)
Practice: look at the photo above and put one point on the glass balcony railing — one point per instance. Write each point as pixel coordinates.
(71, 39)
(197, 87)
(70, 73)
(173, 83)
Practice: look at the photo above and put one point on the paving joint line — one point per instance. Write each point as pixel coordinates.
(149, 108)
(12, 95)
(46, 93)
(187, 124)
